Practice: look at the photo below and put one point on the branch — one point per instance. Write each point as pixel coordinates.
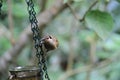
(10, 21)
(43, 19)
(92, 56)
(94, 3)
(75, 71)
(71, 56)
(73, 12)
(43, 5)
(87, 68)
(76, 16)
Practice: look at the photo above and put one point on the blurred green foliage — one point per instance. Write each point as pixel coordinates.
(70, 32)
(4, 45)
(101, 22)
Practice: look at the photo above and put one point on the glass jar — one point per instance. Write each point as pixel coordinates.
(24, 73)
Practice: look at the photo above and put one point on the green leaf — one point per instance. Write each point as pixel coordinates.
(100, 22)
(118, 1)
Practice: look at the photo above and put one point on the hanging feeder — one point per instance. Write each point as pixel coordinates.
(24, 73)
(42, 46)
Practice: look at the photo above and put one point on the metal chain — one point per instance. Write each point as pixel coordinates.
(45, 67)
(0, 6)
(38, 44)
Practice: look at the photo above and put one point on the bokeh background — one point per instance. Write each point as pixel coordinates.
(82, 54)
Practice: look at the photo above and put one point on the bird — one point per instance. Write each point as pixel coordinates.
(49, 42)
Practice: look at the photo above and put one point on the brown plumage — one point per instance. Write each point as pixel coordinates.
(49, 42)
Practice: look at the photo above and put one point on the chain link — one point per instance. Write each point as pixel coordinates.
(37, 42)
(0, 6)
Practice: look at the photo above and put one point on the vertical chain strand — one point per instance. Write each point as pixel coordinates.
(37, 42)
(45, 68)
(36, 38)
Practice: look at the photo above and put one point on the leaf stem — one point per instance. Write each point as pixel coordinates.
(76, 16)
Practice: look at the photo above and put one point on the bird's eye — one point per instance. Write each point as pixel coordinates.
(50, 37)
